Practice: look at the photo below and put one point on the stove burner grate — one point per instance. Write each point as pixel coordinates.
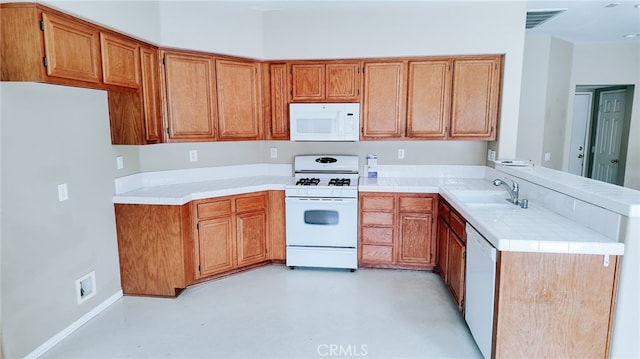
(308, 182)
(339, 182)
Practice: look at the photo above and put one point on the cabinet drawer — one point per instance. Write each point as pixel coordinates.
(416, 204)
(252, 203)
(377, 254)
(214, 209)
(377, 219)
(443, 210)
(377, 235)
(377, 203)
(457, 225)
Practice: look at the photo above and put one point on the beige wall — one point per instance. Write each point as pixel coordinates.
(53, 135)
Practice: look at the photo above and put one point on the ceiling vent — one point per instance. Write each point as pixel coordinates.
(537, 17)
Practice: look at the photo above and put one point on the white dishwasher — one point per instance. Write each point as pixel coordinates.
(479, 289)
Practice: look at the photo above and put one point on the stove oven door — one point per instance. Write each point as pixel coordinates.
(322, 222)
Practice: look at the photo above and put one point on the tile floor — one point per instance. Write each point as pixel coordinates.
(274, 312)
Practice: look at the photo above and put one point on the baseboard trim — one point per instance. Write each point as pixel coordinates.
(73, 327)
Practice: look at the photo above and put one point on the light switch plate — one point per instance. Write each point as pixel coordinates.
(401, 153)
(274, 152)
(119, 162)
(547, 156)
(63, 192)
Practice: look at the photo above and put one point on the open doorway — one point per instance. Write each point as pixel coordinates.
(600, 132)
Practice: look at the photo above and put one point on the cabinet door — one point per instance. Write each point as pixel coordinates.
(151, 100)
(72, 49)
(383, 114)
(415, 241)
(442, 248)
(191, 96)
(343, 82)
(429, 99)
(251, 237)
(216, 238)
(475, 99)
(277, 231)
(307, 82)
(279, 96)
(120, 61)
(456, 267)
(239, 112)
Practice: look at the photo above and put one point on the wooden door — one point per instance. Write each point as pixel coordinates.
(251, 237)
(307, 82)
(415, 239)
(239, 111)
(190, 96)
(216, 241)
(343, 82)
(279, 100)
(120, 61)
(151, 98)
(383, 113)
(429, 99)
(475, 98)
(456, 268)
(72, 49)
(442, 248)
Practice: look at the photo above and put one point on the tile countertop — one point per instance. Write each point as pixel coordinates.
(535, 229)
(514, 229)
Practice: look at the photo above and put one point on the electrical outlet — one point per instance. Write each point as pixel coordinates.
(119, 162)
(547, 156)
(193, 155)
(86, 287)
(491, 155)
(63, 192)
(400, 153)
(274, 152)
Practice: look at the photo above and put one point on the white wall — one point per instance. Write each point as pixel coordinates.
(210, 26)
(557, 97)
(533, 98)
(612, 64)
(53, 135)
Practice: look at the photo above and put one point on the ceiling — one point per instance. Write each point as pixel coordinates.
(590, 20)
(583, 20)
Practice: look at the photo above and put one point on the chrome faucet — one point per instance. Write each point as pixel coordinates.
(513, 190)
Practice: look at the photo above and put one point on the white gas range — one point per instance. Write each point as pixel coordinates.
(322, 212)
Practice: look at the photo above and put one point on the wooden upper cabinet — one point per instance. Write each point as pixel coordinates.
(325, 82)
(151, 94)
(72, 49)
(343, 81)
(476, 97)
(429, 99)
(239, 99)
(276, 101)
(190, 96)
(120, 61)
(307, 82)
(383, 112)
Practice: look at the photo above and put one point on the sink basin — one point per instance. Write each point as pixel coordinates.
(486, 199)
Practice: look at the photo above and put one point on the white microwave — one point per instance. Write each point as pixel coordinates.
(324, 121)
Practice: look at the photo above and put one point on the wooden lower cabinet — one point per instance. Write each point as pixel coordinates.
(552, 305)
(451, 251)
(163, 248)
(397, 230)
(155, 247)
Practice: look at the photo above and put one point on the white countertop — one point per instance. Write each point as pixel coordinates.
(535, 229)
